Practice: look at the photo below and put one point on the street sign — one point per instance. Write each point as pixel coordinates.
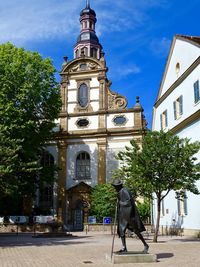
(92, 219)
(107, 220)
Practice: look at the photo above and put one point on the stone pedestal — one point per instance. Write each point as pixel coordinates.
(131, 257)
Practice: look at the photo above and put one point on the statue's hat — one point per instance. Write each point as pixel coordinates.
(116, 182)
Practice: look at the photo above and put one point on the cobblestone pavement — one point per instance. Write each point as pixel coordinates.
(89, 250)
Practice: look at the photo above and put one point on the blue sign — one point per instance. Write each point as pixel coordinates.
(107, 220)
(92, 219)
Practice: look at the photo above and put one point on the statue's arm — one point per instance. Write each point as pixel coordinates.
(125, 199)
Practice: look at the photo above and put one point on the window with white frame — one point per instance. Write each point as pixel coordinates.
(178, 107)
(163, 120)
(196, 92)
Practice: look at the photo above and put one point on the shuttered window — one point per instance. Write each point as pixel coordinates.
(196, 92)
(178, 107)
(163, 120)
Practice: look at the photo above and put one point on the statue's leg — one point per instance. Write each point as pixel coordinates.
(123, 239)
(124, 248)
(146, 246)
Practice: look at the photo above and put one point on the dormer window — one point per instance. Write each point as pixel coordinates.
(83, 95)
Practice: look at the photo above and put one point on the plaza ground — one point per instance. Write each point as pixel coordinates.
(89, 250)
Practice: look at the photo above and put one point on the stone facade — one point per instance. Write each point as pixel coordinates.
(94, 126)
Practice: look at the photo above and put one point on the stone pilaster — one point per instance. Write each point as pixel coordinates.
(138, 114)
(62, 176)
(102, 93)
(63, 92)
(101, 160)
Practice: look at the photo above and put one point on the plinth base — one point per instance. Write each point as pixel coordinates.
(131, 257)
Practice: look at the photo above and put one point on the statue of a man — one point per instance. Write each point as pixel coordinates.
(127, 214)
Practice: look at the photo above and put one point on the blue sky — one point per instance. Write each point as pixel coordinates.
(135, 35)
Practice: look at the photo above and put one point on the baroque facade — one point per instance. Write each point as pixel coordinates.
(94, 125)
(177, 109)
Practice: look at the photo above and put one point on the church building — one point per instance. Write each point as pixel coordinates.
(94, 125)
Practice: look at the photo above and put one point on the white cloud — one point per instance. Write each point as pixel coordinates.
(24, 21)
(124, 70)
(160, 47)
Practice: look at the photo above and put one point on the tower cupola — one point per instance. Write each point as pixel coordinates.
(87, 42)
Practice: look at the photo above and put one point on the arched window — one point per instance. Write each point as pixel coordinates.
(83, 166)
(83, 95)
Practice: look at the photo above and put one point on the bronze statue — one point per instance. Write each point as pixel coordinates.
(128, 217)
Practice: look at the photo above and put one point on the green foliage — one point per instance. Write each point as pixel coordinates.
(164, 163)
(29, 104)
(144, 210)
(103, 201)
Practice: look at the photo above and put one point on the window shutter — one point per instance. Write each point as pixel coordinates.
(179, 206)
(174, 104)
(166, 119)
(181, 104)
(196, 91)
(185, 204)
(161, 122)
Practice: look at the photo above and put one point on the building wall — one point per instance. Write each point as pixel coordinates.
(190, 52)
(192, 219)
(72, 152)
(187, 125)
(93, 94)
(185, 89)
(115, 145)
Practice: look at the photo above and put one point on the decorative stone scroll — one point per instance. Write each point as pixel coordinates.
(87, 66)
(116, 101)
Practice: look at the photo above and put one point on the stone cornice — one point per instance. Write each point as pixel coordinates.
(114, 111)
(186, 122)
(177, 82)
(99, 133)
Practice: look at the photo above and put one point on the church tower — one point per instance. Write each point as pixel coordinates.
(87, 42)
(94, 125)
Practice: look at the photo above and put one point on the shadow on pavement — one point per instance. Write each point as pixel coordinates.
(164, 255)
(10, 240)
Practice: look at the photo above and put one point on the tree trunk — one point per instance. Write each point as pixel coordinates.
(155, 238)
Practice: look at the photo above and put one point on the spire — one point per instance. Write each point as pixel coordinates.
(87, 3)
(87, 43)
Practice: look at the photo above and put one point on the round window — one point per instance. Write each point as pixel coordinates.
(120, 120)
(82, 123)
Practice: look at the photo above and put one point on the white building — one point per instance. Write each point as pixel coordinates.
(177, 109)
(94, 125)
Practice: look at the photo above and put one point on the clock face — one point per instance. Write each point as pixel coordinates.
(85, 36)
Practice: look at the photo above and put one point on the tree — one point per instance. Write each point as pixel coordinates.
(29, 104)
(103, 201)
(164, 163)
